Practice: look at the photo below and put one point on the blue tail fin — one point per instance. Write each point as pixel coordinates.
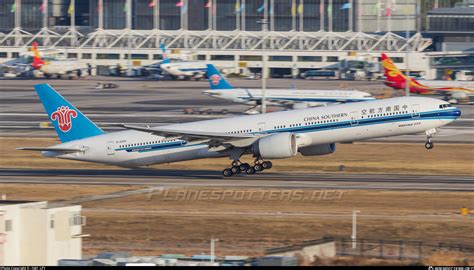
(216, 80)
(165, 60)
(70, 124)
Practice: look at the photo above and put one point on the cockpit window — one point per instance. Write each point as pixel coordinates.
(442, 106)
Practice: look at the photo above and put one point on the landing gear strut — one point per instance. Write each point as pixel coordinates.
(429, 134)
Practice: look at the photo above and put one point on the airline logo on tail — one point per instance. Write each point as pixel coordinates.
(37, 61)
(64, 116)
(215, 79)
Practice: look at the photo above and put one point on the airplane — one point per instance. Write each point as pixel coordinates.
(180, 69)
(277, 135)
(397, 80)
(290, 98)
(57, 68)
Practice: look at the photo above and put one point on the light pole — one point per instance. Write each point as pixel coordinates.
(264, 23)
(354, 228)
(213, 246)
(407, 69)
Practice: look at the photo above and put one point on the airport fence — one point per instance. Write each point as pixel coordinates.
(395, 249)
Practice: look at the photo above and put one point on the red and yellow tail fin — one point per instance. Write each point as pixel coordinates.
(395, 78)
(37, 61)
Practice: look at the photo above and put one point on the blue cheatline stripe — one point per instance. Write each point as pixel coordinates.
(433, 115)
(192, 69)
(152, 147)
(313, 99)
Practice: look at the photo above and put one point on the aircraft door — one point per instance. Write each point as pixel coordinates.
(261, 127)
(415, 111)
(110, 148)
(354, 118)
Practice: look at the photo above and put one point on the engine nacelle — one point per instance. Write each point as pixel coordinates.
(281, 145)
(318, 150)
(459, 95)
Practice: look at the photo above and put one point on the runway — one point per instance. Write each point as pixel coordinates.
(212, 179)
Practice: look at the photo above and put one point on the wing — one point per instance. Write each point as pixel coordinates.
(57, 149)
(213, 139)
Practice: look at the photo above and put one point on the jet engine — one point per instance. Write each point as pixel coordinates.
(459, 95)
(318, 150)
(281, 145)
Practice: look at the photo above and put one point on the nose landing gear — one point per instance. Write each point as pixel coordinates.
(429, 134)
(429, 144)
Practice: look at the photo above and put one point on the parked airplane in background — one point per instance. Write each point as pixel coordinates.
(58, 68)
(397, 80)
(180, 69)
(290, 98)
(277, 135)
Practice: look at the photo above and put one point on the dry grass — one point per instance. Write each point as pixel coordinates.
(360, 157)
(52, 192)
(249, 227)
(158, 223)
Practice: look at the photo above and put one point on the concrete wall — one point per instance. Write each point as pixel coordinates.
(33, 241)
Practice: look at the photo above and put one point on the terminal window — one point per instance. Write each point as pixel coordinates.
(108, 56)
(251, 58)
(222, 57)
(332, 59)
(310, 58)
(281, 58)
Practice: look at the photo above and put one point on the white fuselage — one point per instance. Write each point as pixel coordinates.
(61, 67)
(314, 126)
(185, 69)
(445, 83)
(278, 97)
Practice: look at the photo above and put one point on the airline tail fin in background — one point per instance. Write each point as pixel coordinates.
(37, 61)
(165, 60)
(216, 80)
(395, 78)
(70, 124)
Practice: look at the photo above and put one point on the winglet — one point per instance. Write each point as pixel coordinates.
(216, 80)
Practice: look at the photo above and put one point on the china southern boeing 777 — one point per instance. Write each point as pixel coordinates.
(277, 135)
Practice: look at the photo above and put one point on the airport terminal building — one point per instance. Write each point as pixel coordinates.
(295, 34)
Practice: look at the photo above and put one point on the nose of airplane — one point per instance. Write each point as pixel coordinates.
(457, 113)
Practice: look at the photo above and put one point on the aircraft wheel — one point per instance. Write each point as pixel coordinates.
(250, 170)
(267, 165)
(258, 167)
(429, 145)
(227, 172)
(244, 166)
(235, 169)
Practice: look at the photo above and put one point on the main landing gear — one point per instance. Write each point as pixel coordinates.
(429, 134)
(239, 167)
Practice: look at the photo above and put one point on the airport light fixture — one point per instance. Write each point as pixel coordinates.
(264, 23)
(213, 246)
(354, 228)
